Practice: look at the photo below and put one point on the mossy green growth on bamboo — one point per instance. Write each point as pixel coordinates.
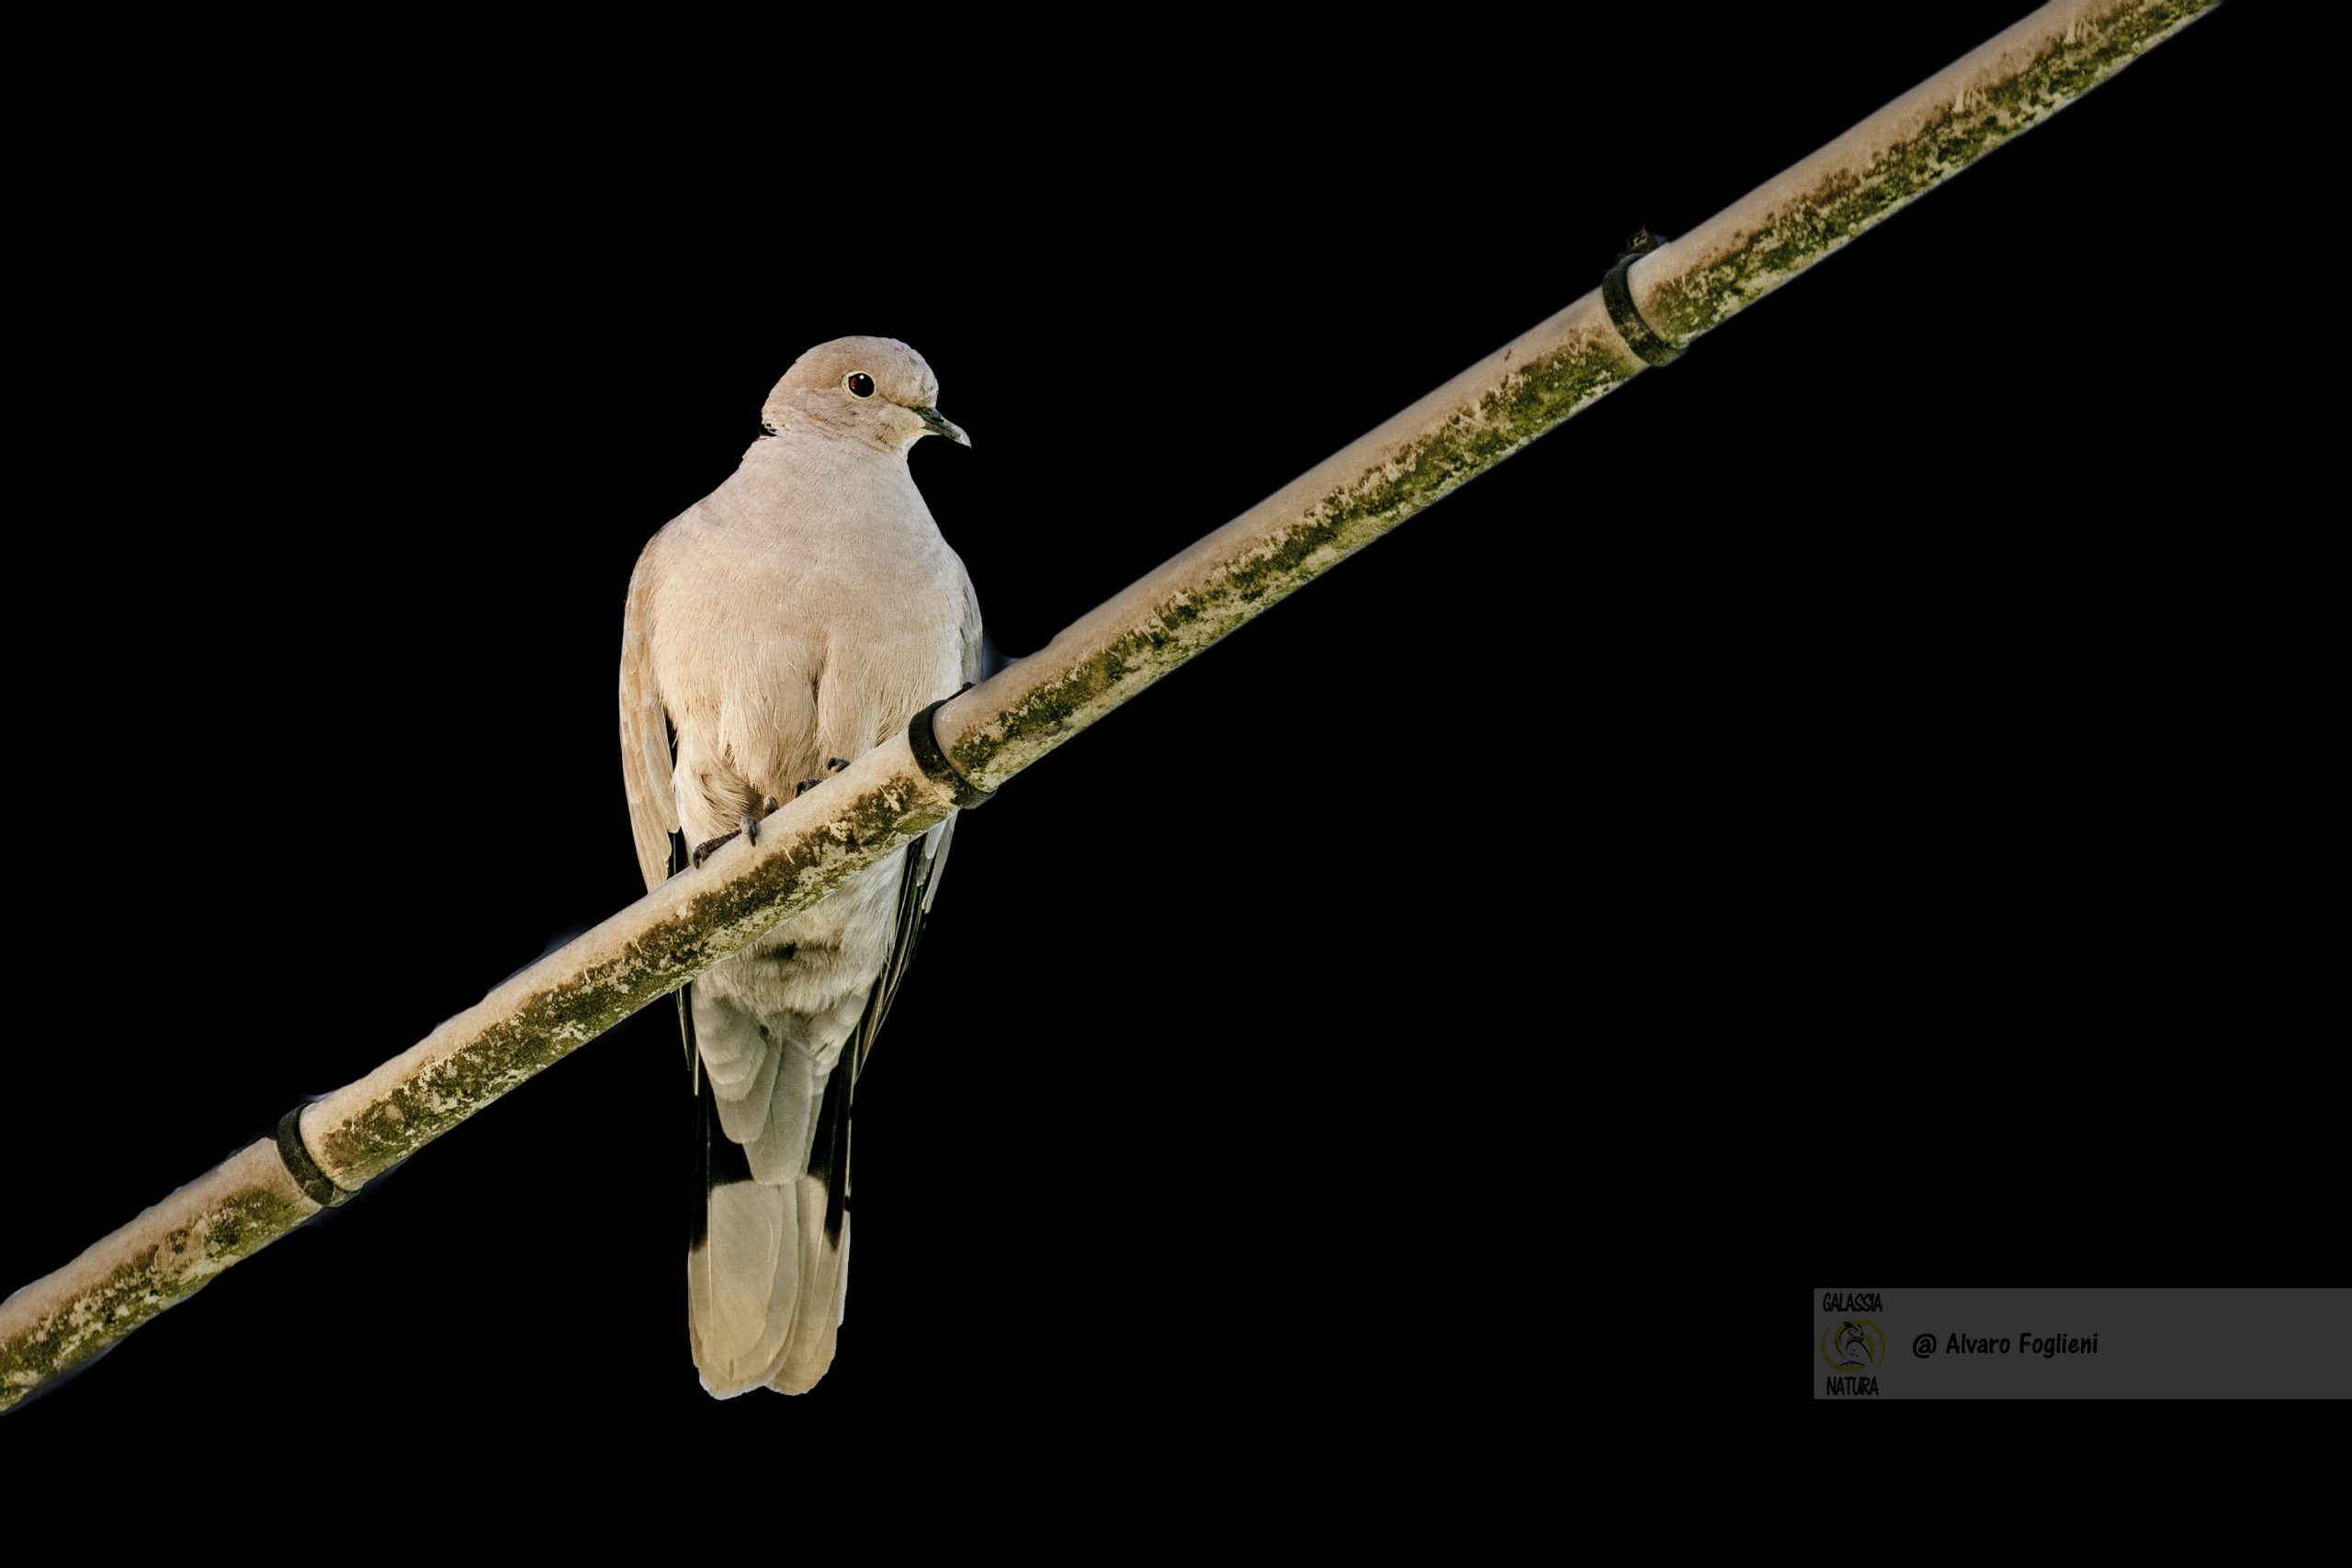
(178, 1266)
(543, 1029)
(1531, 401)
(1850, 200)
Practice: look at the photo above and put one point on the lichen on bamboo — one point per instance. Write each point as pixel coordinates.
(1529, 400)
(158, 1276)
(1982, 116)
(543, 1027)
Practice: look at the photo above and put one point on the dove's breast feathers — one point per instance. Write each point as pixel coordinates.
(805, 610)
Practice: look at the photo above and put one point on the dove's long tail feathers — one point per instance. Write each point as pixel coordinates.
(768, 1249)
(767, 1263)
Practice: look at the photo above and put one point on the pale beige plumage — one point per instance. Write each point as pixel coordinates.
(802, 612)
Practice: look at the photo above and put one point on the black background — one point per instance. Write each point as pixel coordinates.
(1870, 746)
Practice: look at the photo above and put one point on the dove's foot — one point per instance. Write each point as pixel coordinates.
(832, 765)
(747, 825)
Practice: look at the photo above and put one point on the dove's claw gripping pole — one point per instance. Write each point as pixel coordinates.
(747, 824)
(832, 765)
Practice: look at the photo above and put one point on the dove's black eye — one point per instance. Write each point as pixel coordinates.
(860, 384)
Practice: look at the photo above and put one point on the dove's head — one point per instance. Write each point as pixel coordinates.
(870, 389)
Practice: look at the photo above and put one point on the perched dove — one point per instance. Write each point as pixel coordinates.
(795, 616)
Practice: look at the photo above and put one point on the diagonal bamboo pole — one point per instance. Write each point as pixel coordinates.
(2009, 84)
(991, 732)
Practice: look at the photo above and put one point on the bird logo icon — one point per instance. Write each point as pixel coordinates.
(1854, 1345)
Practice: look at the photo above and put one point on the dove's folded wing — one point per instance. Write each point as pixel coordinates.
(646, 762)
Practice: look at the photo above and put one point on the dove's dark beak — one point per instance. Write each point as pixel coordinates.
(941, 426)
